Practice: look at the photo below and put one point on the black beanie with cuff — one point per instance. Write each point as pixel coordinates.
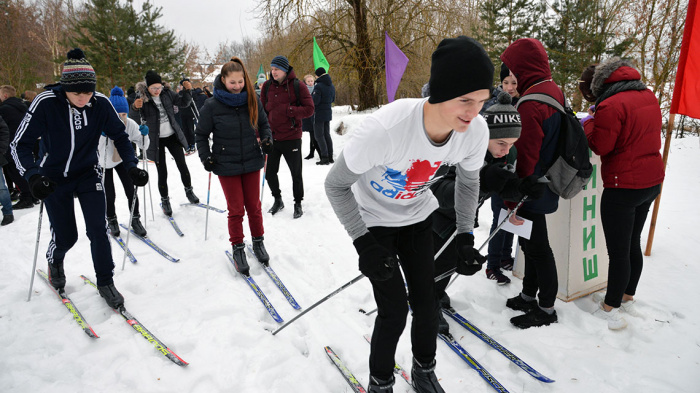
(459, 66)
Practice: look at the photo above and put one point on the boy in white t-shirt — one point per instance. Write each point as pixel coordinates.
(380, 191)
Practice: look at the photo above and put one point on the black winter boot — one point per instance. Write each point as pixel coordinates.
(190, 195)
(113, 225)
(424, 379)
(535, 318)
(113, 298)
(277, 206)
(517, 303)
(165, 204)
(324, 161)
(24, 203)
(298, 212)
(240, 260)
(7, 219)
(260, 251)
(137, 227)
(57, 277)
(377, 385)
(443, 326)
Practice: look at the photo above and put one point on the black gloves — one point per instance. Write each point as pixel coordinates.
(266, 145)
(493, 177)
(41, 186)
(469, 260)
(208, 164)
(531, 187)
(138, 176)
(376, 262)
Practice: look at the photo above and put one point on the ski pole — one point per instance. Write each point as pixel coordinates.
(510, 214)
(36, 249)
(262, 190)
(206, 221)
(330, 295)
(144, 155)
(128, 232)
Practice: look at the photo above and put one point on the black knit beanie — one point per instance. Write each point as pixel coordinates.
(320, 71)
(152, 77)
(502, 118)
(77, 75)
(459, 66)
(504, 71)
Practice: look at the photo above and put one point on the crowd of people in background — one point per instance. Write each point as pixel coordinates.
(407, 187)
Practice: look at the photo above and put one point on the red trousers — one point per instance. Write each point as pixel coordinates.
(242, 194)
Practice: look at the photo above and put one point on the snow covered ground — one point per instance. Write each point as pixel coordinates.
(204, 311)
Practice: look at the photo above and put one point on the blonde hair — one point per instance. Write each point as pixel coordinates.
(9, 90)
(236, 65)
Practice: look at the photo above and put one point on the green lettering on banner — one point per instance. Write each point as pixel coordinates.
(589, 238)
(590, 268)
(594, 177)
(589, 207)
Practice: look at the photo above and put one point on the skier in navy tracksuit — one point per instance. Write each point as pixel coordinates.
(69, 118)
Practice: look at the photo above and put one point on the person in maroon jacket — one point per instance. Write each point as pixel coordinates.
(285, 112)
(527, 59)
(626, 133)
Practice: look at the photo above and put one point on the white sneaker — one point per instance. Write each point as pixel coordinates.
(629, 308)
(615, 320)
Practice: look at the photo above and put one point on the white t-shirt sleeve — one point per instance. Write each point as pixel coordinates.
(368, 147)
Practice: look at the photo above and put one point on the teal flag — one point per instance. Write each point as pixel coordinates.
(261, 70)
(319, 58)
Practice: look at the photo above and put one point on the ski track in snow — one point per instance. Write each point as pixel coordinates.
(204, 311)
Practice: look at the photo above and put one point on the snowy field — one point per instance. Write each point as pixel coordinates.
(204, 311)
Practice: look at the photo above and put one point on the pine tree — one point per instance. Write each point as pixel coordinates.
(122, 44)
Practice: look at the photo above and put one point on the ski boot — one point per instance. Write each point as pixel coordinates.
(377, 385)
(165, 204)
(113, 298)
(57, 277)
(260, 251)
(298, 212)
(190, 196)
(137, 227)
(240, 260)
(113, 225)
(424, 379)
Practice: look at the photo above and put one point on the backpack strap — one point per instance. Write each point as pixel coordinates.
(263, 93)
(544, 99)
(296, 91)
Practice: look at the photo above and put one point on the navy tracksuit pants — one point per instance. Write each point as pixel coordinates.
(89, 190)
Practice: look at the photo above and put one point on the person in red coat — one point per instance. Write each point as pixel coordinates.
(527, 59)
(285, 112)
(626, 133)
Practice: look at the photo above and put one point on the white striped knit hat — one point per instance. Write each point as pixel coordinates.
(78, 76)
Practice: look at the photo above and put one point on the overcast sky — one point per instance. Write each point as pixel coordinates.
(208, 22)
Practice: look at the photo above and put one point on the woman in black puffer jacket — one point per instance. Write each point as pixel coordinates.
(235, 120)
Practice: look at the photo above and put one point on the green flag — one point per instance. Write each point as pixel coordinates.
(319, 58)
(261, 70)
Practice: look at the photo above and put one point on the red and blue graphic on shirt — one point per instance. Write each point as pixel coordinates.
(414, 182)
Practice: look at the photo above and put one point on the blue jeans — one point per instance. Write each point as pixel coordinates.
(501, 245)
(5, 200)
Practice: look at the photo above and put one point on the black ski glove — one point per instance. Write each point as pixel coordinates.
(493, 177)
(41, 186)
(469, 260)
(208, 164)
(531, 187)
(376, 262)
(139, 177)
(266, 145)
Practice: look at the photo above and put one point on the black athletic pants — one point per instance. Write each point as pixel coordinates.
(291, 150)
(175, 148)
(128, 189)
(540, 267)
(413, 244)
(623, 213)
(88, 188)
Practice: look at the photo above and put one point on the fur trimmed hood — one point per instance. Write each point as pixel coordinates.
(612, 70)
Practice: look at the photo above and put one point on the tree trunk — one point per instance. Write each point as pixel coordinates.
(363, 64)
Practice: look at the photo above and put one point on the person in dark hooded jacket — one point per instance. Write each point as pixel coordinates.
(5, 200)
(12, 109)
(527, 59)
(156, 104)
(235, 120)
(285, 112)
(324, 96)
(625, 131)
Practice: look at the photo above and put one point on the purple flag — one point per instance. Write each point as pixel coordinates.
(395, 65)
